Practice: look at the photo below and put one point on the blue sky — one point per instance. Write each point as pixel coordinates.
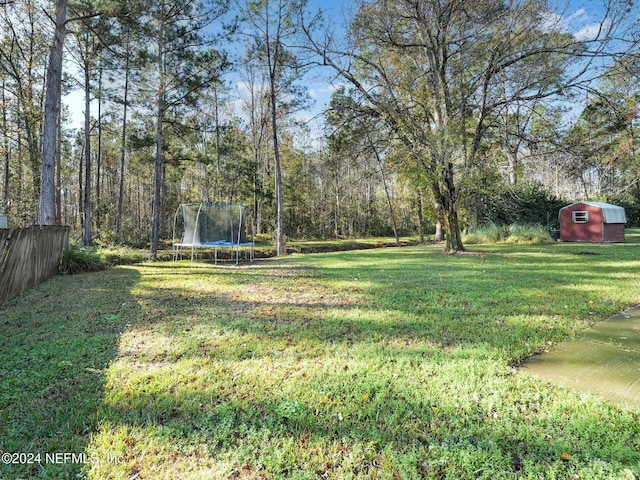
(582, 18)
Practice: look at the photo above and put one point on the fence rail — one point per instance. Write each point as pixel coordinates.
(29, 256)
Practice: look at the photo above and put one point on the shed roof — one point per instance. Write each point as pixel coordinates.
(611, 213)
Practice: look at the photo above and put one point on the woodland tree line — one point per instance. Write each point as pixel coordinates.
(446, 114)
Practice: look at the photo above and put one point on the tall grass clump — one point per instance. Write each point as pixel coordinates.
(528, 234)
(121, 255)
(486, 234)
(79, 260)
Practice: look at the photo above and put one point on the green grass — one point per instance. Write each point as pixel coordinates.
(390, 363)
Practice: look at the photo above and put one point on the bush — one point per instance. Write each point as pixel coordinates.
(524, 205)
(76, 259)
(79, 260)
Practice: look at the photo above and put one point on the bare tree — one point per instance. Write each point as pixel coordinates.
(273, 26)
(432, 70)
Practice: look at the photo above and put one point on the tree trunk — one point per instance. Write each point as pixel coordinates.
(420, 218)
(59, 165)
(272, 61)
(445, 202)
(155, 221)
(7, 154)
(439, 235)
(47, 207)
(99, 155)
(123, 147)
(87, 237)
(453, 240)
(81, 182)
(280, 247)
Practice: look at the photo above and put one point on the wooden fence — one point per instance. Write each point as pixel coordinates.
(29, 256)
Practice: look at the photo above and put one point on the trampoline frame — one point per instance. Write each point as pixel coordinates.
(216, 244)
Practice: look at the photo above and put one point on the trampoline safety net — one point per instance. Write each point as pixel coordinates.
(212, 225)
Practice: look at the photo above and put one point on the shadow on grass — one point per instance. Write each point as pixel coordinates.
(405, 361)
(361, 364)
(502, 307)
(56, 342)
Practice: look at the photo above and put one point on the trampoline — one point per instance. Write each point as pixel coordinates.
(212, 225)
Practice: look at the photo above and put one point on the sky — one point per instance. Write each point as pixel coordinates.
(578, 17)
(582, 18)
(319, 88)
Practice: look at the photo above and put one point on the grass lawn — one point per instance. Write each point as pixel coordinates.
(388, 363)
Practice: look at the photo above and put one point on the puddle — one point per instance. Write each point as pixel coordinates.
(603, 360)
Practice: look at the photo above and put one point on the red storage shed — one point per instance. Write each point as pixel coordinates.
(592, 222)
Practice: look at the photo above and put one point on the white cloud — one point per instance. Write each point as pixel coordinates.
(322, 90)
(592, 31)
(578, 15)
(558, 22)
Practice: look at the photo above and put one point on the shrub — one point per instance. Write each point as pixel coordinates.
(526, 204)
(78, 260)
